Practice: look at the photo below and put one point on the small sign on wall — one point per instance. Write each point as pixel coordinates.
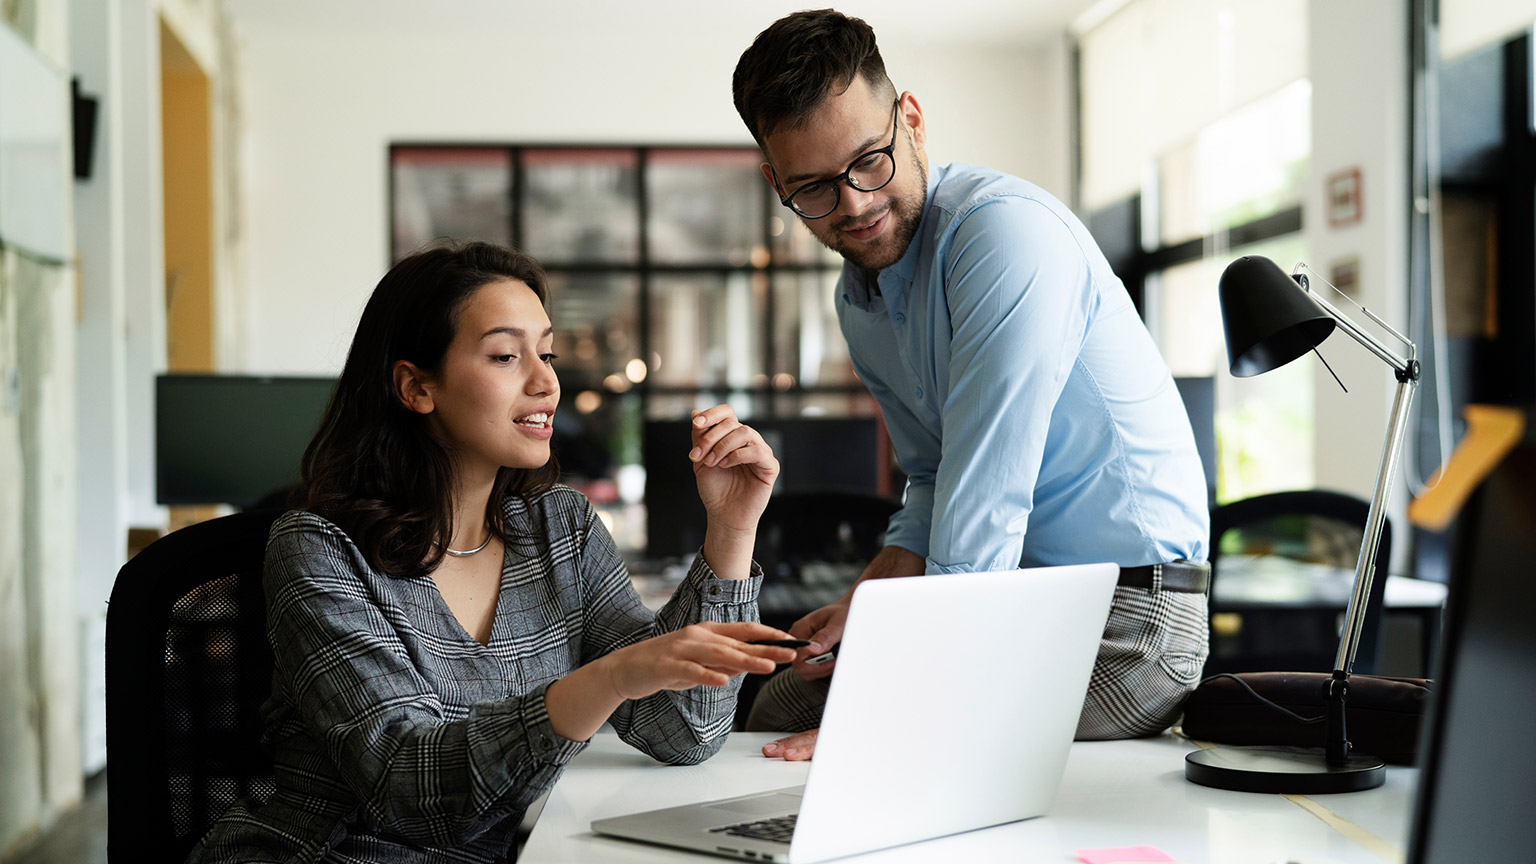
(1344, 197)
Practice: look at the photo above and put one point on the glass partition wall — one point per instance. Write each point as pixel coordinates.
(677, 281)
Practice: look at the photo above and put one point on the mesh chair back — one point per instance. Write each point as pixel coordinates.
(798, 528)
(188, 667)
(797, 531)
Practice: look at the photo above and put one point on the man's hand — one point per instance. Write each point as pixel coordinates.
(796, 748)
(824, 628)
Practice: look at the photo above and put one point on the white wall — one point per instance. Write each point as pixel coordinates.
(121, 325)
(143, 236)
(1360, 119)
(121, 316)
(320, 109)
(39, 673)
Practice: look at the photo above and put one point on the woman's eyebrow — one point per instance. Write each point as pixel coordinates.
(515, 332)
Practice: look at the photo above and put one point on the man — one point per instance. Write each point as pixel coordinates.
(1026, 402)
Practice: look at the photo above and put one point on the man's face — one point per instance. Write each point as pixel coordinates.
(870, 229)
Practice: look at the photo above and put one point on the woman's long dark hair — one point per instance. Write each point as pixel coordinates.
(373, 467)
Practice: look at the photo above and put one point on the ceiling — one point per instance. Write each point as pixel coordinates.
(954, 21)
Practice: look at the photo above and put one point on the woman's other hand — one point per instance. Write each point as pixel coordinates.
(734, 467)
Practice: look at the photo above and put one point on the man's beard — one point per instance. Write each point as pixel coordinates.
(906, 215)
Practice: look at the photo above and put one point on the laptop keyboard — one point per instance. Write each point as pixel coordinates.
(776, 830)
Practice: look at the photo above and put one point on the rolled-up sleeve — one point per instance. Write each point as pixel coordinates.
(675, 726)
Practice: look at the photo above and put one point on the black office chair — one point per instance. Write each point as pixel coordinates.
(1293, 634)
(188, 667)
(830, 526)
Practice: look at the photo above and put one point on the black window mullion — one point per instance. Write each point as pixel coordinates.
(770, 350)
(1279, 224)
(643, 211)
(515, 212)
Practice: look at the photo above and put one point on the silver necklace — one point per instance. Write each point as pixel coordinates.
(465, 553)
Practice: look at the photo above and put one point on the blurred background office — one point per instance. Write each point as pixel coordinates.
(194, 187)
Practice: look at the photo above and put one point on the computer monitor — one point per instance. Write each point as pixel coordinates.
(1199, 395)
(232, 439)
(814, 453)
(1477, 753)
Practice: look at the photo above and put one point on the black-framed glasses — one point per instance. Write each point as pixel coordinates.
(871, 171)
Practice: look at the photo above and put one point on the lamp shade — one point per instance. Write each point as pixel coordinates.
(1269, 319)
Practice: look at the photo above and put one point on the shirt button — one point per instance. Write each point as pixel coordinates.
(918, 392)
(898, 317)
(546, 745)
(714, 590)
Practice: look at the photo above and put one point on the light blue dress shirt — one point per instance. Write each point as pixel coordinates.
(1035, 420)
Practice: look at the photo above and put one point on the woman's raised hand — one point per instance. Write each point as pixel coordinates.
(734, 467)
(707, 654)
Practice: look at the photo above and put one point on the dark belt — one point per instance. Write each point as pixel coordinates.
(1190, 577)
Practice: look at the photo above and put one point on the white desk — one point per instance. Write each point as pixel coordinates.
(1274, 580)
(1271, 583)
(1115, 793)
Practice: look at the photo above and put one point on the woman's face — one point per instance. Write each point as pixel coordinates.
(494, 397)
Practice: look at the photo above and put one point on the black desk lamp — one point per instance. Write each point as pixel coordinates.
(1270, 320)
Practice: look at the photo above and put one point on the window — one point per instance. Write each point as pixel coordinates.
(1195, 136)
(677, 281)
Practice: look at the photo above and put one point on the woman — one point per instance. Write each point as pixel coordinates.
(448, 625)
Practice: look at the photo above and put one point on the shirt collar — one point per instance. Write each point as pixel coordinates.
(906, 266)
(856, 285)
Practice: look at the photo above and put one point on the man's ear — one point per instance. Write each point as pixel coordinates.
(412, 388)
(912, 118)
(772, 180)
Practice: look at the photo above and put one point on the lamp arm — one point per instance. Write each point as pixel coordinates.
(1354, 617)
(1401, 365)
(1336, 746)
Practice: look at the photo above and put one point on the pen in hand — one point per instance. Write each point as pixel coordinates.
(824, 658)
(781, 643)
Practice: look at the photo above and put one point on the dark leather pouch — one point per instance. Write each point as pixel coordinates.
(1286, 708)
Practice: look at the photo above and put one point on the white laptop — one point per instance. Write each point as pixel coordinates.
(953, 707)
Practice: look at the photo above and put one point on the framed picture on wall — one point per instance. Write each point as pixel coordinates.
(1344, 197)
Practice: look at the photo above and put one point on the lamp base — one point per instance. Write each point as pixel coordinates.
(1284, 770)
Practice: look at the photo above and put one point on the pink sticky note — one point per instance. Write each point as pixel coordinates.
(1125, 855)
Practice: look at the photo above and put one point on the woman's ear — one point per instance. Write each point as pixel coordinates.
(412, 388)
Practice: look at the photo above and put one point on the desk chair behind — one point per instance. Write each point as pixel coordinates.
(1313, 526)
(820, 526)
(799, 531)
(188, 667)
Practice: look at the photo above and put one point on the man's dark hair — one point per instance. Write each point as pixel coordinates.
(800, 60)
(374, 467)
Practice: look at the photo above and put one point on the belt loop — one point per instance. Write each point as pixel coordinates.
(1157, 578)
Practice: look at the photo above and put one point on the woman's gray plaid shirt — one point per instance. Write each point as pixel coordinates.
(398, 737)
